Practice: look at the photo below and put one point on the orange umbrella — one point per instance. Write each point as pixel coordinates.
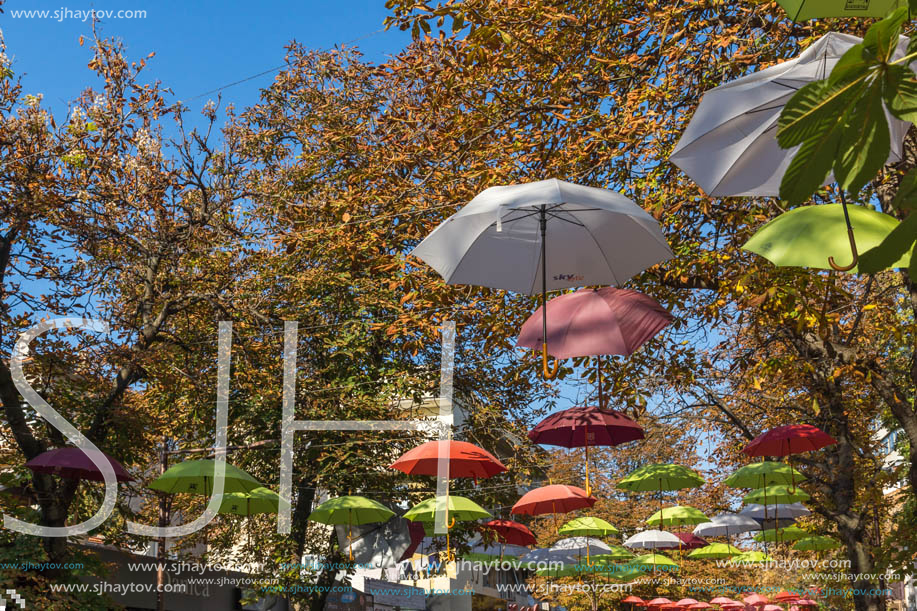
(465, 460)
(556, 498)
(785, 596)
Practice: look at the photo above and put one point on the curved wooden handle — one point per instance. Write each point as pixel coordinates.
(453, 523)
(549, 374)
(853, 250)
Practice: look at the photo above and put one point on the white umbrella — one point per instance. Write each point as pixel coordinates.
(501, 240)
(783, 510)
(730, 147)
(549, 555)
(653, 539)
(725, 525)
(581, 546)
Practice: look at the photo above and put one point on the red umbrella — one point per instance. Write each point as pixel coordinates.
(690, 541)
(554, 499)
(755, 600)
(511, 532)
(789, 439)
(581, 427)
(785, 596)
(686, 602)
(465, 460)
(721, 600)
(669, 607)
(658, 602)
(634, 600)
(74, 463)
(700, 605)
(415, 529)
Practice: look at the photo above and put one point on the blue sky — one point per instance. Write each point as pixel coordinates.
(200, 45)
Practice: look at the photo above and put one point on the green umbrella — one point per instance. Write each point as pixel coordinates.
(587, 527)
(715, 551)
(621, 572)
(196, 477)
(351, 510)
(485, 558)
(754, 557)
(259, 500)
(618, 552)
(459, 509)
(817, 544)
(651, 560)
(803, 10)
(761, 474)
(567, 570)
(680, 515)
(790, 533)
(806, 236)
(649, 478)
(776, 494)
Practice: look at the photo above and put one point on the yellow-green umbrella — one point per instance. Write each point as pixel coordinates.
(679, 515)
(351, 510)
(817, 543)
(715, 551)
(197, 477)
(779, 493)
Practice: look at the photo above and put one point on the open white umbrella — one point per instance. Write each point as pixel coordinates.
(783, 510)
(501, 239)
(549, 555)
(725, 525)
(653, 539)
(730, 147)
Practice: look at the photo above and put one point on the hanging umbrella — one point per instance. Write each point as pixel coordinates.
(720, 600)
(196, 477)
(653, 539)
(690, 541)
(582, 546)
(733, 605)
(715, 551)
(490, 554)
(778, 494)
(581, 427)
(74, 463)
(501, 240)
(752, 557)
(725, 525)
(634, 600)
(817, 544)
(761, 474)
(803, 236)
(790, 533)
(803, 10)
(787, 510)
(259, 500)
(587, 527)
(565, 570)
(789, 439)
(460, 509)
(352, 511)
(679, 515)
(554, 499)
(660, 477)
(755, 600)
(616, 553)
(686, 602)
(652, 560)
(772, 608)
(730, 148)
(658, 602)
(700, 605)
(465, 460)
(806, 602)
(548, 555)
(380, 544)
(511, 532)
(785, 596)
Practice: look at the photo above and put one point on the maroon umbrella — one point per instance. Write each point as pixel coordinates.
(73, 463)
(789, 439)
(690, 541)
(511, 532)
(415, 529)
(581, 427)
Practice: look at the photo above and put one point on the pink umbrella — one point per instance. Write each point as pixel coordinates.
(806, 602)
(700, 605)
(772, 608)
(721, 600)
(755, 600)
(74, 463)
(686, 602)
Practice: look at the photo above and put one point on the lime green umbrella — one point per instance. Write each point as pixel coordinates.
(761, 474)
(679, 515)
(790, 533)
(807, 236)
(567, 570)
(753, 557)
(618, 552)
(621, 572)
(351, 510)
(651, 561)
(196, 477)
(587, 527)
(259, 500)
(459, 509)
(776, 494)
(817, 543)
(715, 551)
(803, 10)
(650, 478)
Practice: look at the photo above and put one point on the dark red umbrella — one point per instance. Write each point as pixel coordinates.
(465, 460)
(511, 532)
(690, 541)
(789, 439)
(554, 499)
(581, 427)
(415, 529)
(74, 463)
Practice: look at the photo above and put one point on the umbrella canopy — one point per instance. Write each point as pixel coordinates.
(582, 546)
(755, 600)
(761, 474)
(556, 498)
(653, 539)
(652, 561)
(380, 544)
(491, 553)
(725, 525)
(790, 533)
(615, 553)
(542, 555)
(806, 602)
(686, 602)
(594, 322)
(817, 543)
(511, 532)
(459, 508)
(700, 605)
(587, 527)
(259, 500)
(769, 512)
(658, 602)
(465, 460)
(789, 439)
(772, 608)
(753, 557)
(802, 10)
(733, 605)
(196, 477)
(578, 427)
(719, 600)
(634, 600)
(74, 463)
(690, 541)
(803, 236)
(730, 148)
(659, 477)
(565, 570)
(785, 596)
(778, 494)
(352, 510)
(679, 515)
(715, 551)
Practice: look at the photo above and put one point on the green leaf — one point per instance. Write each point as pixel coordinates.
(882, 36)
(900, 93)
(892, 248)
(906, 195)
(458, 22)
(864, 144)
(814, 109)
(809, 167)
(912, 268)
(854, 64)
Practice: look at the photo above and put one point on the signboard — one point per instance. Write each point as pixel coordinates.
(395, 594)
(348, 601)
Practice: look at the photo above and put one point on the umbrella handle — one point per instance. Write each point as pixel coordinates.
(853, 250)
(549, 374)
(452, 524)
